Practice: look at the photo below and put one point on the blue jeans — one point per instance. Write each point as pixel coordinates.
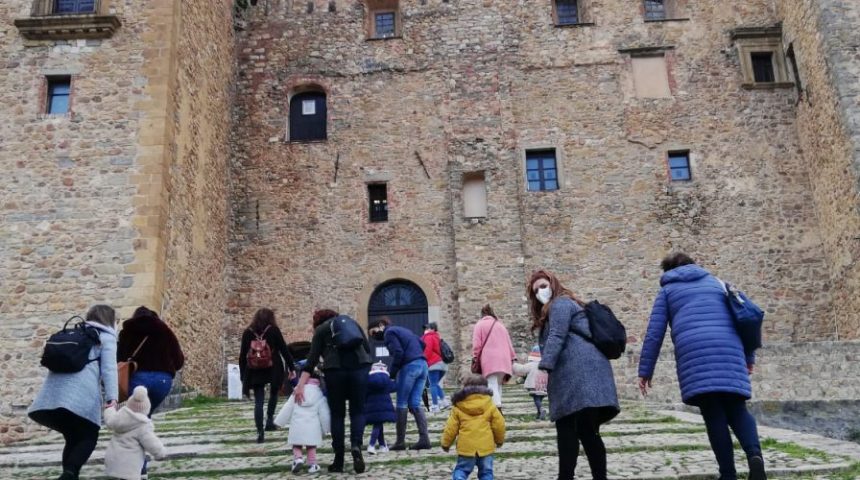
(158, 385)
(721, 411)
(435, 389)
(465, 465)
(410, 384)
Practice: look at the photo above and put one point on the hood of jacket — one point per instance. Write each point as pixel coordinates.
(684, 273)
(102, 328)
(378, 382)
(474, 401)
(126, 420)
(313, 395)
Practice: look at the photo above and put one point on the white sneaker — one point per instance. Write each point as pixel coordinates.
(371, 450)
(297, 465)
(446, 402)
(435, 409)
(383, 449)
(313, 468)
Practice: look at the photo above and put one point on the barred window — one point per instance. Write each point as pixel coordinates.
(378, 196)
(655, 9)
(762, 64)
(384, 25)
(566, 12)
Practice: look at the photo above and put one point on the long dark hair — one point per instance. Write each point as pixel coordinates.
(264, 317)
(538, 311)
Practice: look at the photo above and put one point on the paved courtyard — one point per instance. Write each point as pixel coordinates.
(214, 439)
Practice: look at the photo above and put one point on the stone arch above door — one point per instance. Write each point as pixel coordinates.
(433, 300)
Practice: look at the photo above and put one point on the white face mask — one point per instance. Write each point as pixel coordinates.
(544, 295)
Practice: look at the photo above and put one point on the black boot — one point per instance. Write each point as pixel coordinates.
(756, 465)
(270, 425)
(402, 417)
(261, 436)
(357, 460)
(68, 475)
(337, 465)
(423, 436)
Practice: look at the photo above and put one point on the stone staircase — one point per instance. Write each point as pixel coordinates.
(215, 439)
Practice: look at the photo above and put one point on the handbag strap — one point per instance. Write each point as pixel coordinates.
(490, 332)
(138, 348)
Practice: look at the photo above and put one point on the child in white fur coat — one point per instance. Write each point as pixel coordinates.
(133, 436)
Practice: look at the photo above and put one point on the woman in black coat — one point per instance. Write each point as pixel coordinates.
(264, 326)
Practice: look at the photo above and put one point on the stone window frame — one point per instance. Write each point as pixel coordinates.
(559, 167)
(677, 152)
(43, 94)
(665, 51)
(583, 11)
(748, 41)
(675, 11)
(373, 7)
(44, 24)
(692, 162)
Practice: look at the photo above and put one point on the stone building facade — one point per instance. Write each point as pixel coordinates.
(176, 181)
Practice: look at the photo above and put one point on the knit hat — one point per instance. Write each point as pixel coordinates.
(379, 367)
(534, 354)
(139, 401)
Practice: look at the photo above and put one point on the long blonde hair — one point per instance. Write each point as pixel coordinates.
(538, 311)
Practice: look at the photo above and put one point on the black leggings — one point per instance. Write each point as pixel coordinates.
(582, 426)
(346, 385)
(79, 433)
(260, 398)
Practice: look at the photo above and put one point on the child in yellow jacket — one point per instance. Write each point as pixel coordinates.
(477, 425)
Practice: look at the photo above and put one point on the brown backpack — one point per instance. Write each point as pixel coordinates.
(260, 354)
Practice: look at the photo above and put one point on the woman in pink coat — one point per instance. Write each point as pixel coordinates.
(492, 344)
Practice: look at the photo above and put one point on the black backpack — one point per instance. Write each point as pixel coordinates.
(607, 333)
(345, 333)
(447, 352)
(68, 351)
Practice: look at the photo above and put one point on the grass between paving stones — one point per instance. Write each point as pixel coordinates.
(793, 449)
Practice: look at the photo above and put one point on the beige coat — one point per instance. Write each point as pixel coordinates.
(133, 436)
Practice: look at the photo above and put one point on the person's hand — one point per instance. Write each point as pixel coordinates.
(299, 393)
(111, 403)
(644, 385)
(750, 368)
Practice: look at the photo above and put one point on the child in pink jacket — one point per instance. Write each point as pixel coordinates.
(492, 346)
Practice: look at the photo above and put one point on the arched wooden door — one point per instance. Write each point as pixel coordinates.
(403, 302)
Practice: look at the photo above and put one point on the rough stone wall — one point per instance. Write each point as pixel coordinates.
(197, 229)
(84, 204)
(470, 86)
(827, 41)
(70, 232)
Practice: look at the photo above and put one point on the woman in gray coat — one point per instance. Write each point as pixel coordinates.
(72, 403)
(581, 385)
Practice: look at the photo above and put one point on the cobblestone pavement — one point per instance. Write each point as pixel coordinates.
(213, 439)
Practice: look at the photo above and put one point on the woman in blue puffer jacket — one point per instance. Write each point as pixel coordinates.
(713, 368)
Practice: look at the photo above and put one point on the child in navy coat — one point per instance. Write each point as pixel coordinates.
(378, 409)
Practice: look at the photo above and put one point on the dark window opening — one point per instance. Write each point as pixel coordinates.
(384, 23)
(762, 64)
(541, 170)
(378, 195)
(679, 166)
(567, 12)
(75, 6)
(655, 9)
(59, 93)
(308, 117)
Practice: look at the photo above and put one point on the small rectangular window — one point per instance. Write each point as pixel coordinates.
(59, 92)
(378, 195)
(74, 6)
(679, 166)
(541, 170)
(655, 9)
(384, 23)
(762, 64)
(567, 12)
(309, 107)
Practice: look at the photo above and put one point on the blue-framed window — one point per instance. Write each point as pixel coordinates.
(679, 166)
(541, 170)
(566, 12)
(75, 6)
(59, 93)
(655, 9)
(384, 24)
